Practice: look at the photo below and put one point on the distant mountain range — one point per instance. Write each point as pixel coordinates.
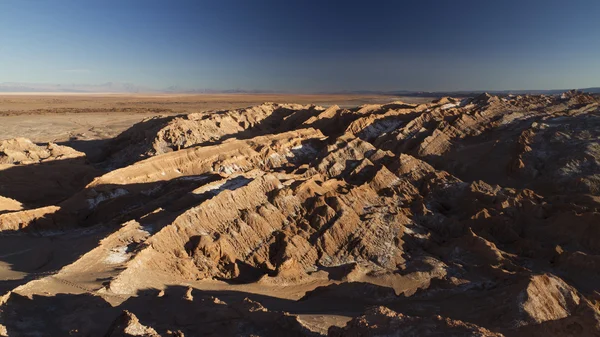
(118, 87)
(109, 87)
(112, 87)
(594, 90)
(465, 93)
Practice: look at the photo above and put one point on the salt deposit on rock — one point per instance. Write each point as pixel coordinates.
(459, 217)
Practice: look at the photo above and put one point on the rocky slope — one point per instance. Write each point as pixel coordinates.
(473, 217)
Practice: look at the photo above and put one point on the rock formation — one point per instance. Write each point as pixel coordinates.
(460, 217)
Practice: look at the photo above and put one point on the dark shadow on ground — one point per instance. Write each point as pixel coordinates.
(47, 183)
(197, 312)
(92, 148)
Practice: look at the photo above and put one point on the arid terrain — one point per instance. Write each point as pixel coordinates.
(223, 215)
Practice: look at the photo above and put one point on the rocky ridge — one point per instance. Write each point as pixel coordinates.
(458, 217)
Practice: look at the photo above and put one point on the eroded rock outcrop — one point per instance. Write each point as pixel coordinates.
(128, 325)
(381, 321)
(473, 216)
(24, 151)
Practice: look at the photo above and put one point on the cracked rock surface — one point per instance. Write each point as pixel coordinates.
(459, 217)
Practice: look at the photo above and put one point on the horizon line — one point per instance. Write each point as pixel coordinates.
(593, 90)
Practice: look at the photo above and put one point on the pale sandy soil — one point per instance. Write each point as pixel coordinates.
(62, 127)
(76, 119)
(36, 103)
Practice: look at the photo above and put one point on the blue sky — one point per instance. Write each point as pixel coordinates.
(303, 45)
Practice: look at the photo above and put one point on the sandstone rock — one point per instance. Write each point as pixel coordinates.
(128, 325)
(471, 217)
(24, 151)
(381, 321)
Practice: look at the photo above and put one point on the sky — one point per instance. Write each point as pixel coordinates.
(303, 45)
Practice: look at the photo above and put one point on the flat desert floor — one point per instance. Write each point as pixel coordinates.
(50, 117)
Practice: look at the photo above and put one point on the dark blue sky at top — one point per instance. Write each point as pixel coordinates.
(303, 45)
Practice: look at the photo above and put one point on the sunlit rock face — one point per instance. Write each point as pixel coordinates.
(460, 217)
